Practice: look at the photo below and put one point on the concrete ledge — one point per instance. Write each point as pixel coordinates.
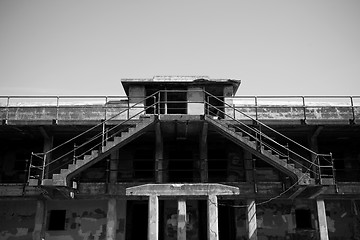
(179, 117)
(200, 189)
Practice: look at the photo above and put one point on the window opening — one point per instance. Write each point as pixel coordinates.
(303, 219)
(57, 220)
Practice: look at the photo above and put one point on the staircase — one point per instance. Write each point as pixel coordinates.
(63, 178)
(318, 170)
(96, 143)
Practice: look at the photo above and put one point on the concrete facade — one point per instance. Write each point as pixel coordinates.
(175, 167)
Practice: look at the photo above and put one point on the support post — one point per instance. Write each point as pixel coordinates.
(251, 219)
(113, 171)
(153, 224)
(321, 212)
(111, 220)
(122, 219)
(213, 226)
(204, 175)
(38, 232)
(181, 227)
(159, 154)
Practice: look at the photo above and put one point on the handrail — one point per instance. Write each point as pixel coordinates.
(262, 124)
(44, 154)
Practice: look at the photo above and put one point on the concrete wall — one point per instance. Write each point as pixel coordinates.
(17, 219)
(277, 220)
(343, 219)
(195, 96)
(85, 220)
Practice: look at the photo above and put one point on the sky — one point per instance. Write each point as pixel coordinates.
(85, 47)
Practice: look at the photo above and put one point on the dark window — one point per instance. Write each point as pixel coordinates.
(303, 219)
(57, 220)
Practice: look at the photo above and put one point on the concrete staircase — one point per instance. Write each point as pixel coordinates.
(280, 162)
(94, 156)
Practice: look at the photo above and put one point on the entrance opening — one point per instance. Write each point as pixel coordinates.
(303, 218)
(173, 100)
(136, 220)
(227, 228)
(215, 102)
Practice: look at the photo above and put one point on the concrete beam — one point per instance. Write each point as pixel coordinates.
(111, 220)
(181, 224)
(153, 224)
(321, 212)
(200, 189)
(121, 206)
(213, 221)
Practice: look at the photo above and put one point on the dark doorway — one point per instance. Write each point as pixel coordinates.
(136, 220)
(227, 230)
(215, 101)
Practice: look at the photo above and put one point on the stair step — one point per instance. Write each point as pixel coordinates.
(56, 177)
(72, 167)
(79, 163)
(95, 152)
(65, 171)
(117, 139)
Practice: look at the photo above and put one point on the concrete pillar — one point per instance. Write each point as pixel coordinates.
(251, 219)
(213, 224)
(38, 232)
(181, 225)
(121, 207)
(114, 164)
(320, 204)
(48, 145)
(204, 175)
(111, 220)
(153, 224)
(159, 154)
(248, 163)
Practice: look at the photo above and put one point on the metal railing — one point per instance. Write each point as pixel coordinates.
(96, 138)
(167, 102)
(260, 134)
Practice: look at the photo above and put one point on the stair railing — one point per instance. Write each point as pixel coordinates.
(75, 151)
(258, 135)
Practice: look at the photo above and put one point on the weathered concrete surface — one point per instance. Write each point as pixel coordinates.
(196, 105)
(17, 220)
(85, 220)
(199, 189)
(111, 220)
(251, 219)
(213, 218)
(153, 219)
(321, 214)
(181, 223)
(39, 220)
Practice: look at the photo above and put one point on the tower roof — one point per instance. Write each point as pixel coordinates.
(179, 80)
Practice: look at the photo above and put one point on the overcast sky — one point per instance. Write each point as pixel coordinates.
(308, 47)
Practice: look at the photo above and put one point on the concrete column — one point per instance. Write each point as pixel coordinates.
(213, 228)
(136, 94)
(48, 145)
(39, 221)
(320, 204)
(228, 93)
(114, 164)
(181, 225)
(153, 224)
(121, 207)
(251, 219)
(159, 154)
(204, 175)
(248, 163)
(111, 220)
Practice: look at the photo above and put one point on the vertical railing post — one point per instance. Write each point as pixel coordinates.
(304, 107)
(106, 106)
(256, 108)
(103, 137)
(159, 102)
(287, 153)
(128, 109)
(57, 109)
(43, 168)
(7, 109)
(318, 167)
(74, 154)
(352, 109)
